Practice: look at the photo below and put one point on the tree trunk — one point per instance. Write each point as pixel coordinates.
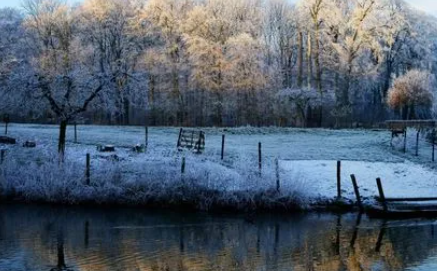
(309, 61)
(62, 137)
(405, 112)
(318, 69)
(300, 59)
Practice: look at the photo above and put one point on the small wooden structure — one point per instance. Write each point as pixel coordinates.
(29, 144)
(106, 148)
(403, 207)
(191, 140)
(7, 140)
(399, 127)
(139, 148)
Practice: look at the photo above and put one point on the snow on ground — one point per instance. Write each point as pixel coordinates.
(308, 164)
(399, 179)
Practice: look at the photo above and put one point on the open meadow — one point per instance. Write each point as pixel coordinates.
(307, 167)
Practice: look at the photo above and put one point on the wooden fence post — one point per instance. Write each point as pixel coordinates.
(357, 192)
(6, 120)
(417, 142)
(146, 136)
(381, 194)
(338, 179)
(433, 145)
(88, 169)
(75, 133)
(179, 139)
(278, 177)
(405, 140)
(223, 147)
(259, 157)
(183, 166)
(2, 156)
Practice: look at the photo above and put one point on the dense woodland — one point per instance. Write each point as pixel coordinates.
(217, 62)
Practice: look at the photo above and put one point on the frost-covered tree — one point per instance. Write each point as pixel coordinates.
(13, 55)
(167, 18)
(64, 76)
(411, 91)
(108, 27)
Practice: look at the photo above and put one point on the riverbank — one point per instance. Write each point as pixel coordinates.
(157, 178)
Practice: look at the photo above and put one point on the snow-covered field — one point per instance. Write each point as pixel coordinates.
(307, 168)
(400, 180)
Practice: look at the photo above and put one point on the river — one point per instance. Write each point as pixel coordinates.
(34, 238)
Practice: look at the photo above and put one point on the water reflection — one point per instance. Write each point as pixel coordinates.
(49, 238)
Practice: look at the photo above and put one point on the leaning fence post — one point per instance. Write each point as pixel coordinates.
(381, 194)
(259, 157)
(357, 192)
(338, 179)
(278, 180)
(88, 169)
(223, 146)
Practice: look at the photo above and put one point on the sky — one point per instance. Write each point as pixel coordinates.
(429, 6)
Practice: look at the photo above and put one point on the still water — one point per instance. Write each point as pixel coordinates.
(86, 239)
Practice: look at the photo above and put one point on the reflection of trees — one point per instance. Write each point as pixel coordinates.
(123, 239)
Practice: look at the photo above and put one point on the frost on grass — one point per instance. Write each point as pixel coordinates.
(151, 179)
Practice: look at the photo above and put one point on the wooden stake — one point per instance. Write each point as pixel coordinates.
(88, 169)
(357, 192)
(381, 194)
(417, 142)
(338, 179)
(6, 128)
(223, 147)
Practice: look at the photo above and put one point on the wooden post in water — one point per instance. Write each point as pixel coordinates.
(223, 147)
(417, 142)
(278, 180)
(75, 133)
(259, 157)
(88, 169)
(381, 194)
(87, 234)
(357, 192)
(338, 179)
